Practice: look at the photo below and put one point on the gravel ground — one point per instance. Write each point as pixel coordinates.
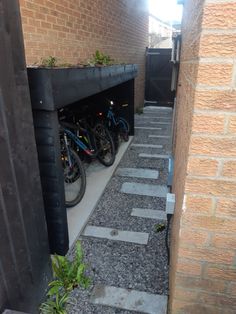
(122, 264)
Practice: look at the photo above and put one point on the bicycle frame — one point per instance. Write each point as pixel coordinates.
(79, 143)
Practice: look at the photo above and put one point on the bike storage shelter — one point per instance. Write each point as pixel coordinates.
(52, 89)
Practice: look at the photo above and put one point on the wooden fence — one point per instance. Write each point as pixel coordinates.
(24, 255)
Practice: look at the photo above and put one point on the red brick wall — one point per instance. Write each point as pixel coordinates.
(72, 31)
(203, 261)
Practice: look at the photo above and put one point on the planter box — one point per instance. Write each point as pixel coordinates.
(54, 88)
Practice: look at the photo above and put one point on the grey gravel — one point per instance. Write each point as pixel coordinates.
(122, 264)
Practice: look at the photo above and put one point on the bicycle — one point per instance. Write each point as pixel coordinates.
(74, 173)
(118, 126)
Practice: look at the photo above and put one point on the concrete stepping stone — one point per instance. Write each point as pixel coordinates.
(144, 189)
(158, 136)
(146, 128)
(149, 213)
(131, 300)
(158, 117)
(157, 122)
(147, 145)
(117, 235)
(155, 156)
(138, 173)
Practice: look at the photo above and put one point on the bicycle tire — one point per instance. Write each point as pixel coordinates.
(104, 142)
(124, 128)
(71, 176)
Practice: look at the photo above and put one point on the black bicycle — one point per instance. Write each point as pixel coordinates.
(74, 172)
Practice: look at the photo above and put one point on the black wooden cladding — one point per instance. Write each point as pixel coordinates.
(24, 254)
(54, 88)
(158, 76)
(49, 153)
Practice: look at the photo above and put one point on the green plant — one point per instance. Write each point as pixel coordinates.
(100, 59)
(49, 62)
(139, 110)
(55, 305)
(160, 227)
(67, 275)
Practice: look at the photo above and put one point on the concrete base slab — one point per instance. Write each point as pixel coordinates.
(147, 145)
(131, 300)
(115, 234)
(146, 128)
(149, 213)
(138, 173)
(155, 156)
(144, 189)
(97, 177)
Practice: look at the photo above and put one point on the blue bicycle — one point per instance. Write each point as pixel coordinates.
(118, 126)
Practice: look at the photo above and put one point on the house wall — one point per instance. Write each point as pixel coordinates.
(203, 259)
(73, 30)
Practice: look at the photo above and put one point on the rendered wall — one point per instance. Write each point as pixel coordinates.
(73, 30)
(203, 259)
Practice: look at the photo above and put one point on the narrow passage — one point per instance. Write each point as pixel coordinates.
(126, 256)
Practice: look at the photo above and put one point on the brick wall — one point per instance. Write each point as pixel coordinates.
(203, 261)
(72, 31)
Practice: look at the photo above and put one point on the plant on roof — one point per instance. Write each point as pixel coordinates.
(100, 58)
(49, 62)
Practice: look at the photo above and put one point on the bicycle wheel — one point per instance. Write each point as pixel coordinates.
(105, 145)
(74, 178)
(123, 129)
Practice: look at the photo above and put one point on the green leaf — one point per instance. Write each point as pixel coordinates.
(80, 272)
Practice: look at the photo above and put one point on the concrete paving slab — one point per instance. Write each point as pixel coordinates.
(159, 136)
(146, 128)
(117, 235)
(147, 145)
(157, 122)
(155, 108)
(131, 300)
(149, 213)
(155, 156)
(138, 173)
(151, 118)
(144, 189)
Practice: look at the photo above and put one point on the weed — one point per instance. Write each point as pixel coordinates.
(67, 275)
(49, 62)
(101, 59)
(139, 110)
(159, 227)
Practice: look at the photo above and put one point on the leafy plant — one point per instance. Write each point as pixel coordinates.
(67, 275)
(100, 59)
(55, 305)
(160, 227)
(139, 110)
(49, 62)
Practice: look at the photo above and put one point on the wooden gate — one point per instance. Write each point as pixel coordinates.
(24, 253)
(158, 76)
